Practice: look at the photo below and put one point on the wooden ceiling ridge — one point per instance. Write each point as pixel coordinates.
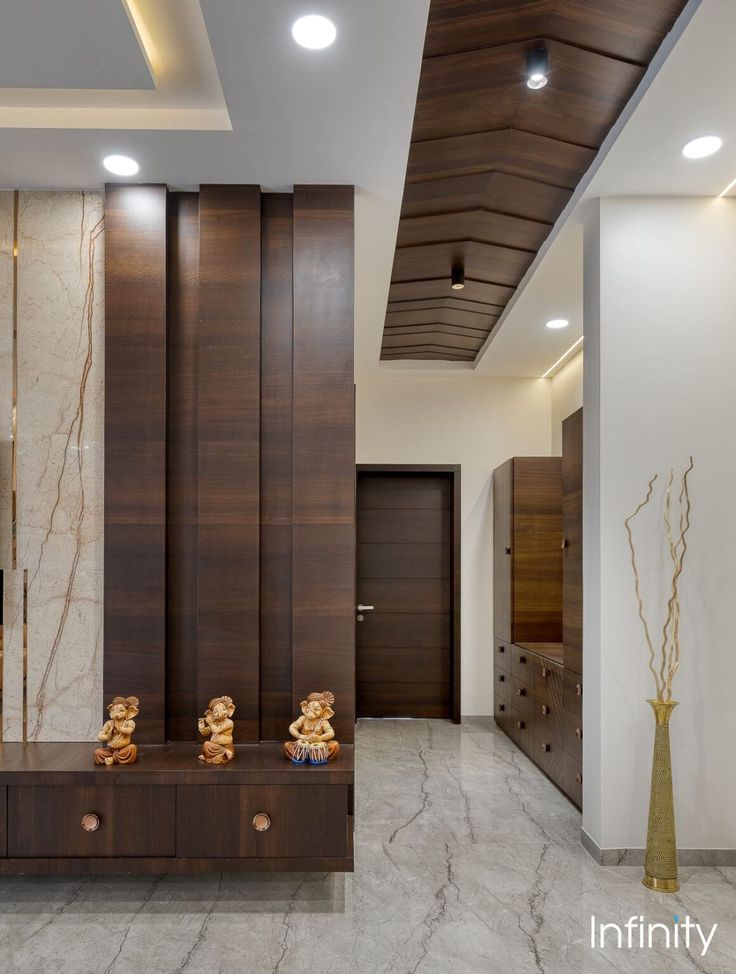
(491, 163)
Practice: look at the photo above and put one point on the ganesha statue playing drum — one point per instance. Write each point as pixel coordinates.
(314, 739)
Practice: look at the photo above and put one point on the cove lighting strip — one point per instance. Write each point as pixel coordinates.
(562, 358)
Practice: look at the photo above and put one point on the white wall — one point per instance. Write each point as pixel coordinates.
(659, 332)
(478, 423)
(567, 396)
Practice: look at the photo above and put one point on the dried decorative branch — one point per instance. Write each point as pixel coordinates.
(637, 586)
(669, 662)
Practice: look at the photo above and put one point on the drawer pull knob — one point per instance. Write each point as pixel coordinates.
(579, 733)
(507, 550)
(90, 822)
(521, 692)
(502, 649)
(522, 659)
(565, 543)
(261, 822)
(502, 706)
(578, 779)
(545, 709)
(544, 672)
(545, 747)
(520, 724)
(579, 689)
(501, 677)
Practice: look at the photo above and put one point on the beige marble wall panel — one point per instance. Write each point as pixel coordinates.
(12, 709)
(6, 376)
(60, 442)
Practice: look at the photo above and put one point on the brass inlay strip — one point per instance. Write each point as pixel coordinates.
(14, 419)
(25, 655)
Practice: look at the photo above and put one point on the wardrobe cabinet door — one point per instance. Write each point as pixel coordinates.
(572, 530)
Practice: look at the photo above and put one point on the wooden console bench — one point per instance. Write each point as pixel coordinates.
(170, 814)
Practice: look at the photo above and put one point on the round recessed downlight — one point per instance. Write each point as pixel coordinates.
(558, 323)
(704, 145)
(120, 165)
(314, 32)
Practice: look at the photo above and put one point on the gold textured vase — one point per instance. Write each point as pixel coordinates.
(660, 865)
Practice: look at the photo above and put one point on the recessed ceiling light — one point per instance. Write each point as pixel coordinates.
(120, 165)
(704, 145)
(314, 32)
(537, 67)
(558, 323)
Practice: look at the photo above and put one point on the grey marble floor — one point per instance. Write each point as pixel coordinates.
(467, 862)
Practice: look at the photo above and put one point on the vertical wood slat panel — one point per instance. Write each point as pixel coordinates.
(228, 450)
(324, 450)
(276, 464)
(181, 600)
(135, 451)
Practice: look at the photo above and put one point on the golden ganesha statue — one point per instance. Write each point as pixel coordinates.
(117, 732)
(313, 735)
(217, 725)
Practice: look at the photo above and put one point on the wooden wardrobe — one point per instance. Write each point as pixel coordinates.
(537, 608)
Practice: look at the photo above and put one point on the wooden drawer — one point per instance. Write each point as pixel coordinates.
(573, 692)
(501, 682)
(522, 665)
(3, 821)
(572, 780)
(501, 712)
(502, 654)
(548, 717)
(572, 735)
(521, 698)
(309, 821)
(45, 821)
(548, 753)
(547, 680)
(520, 730)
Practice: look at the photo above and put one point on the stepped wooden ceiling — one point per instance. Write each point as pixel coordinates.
(493, 163)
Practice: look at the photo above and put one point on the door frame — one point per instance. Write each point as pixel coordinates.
(454, 471)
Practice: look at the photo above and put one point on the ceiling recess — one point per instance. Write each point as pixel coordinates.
(492, 162)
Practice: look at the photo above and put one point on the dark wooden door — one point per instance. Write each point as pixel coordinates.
(503, 481)
(572, 528)
(404, 570)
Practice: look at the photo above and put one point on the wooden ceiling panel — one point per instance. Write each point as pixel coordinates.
(482, 262)
(496, 191)
(510, 151)
(492, 163)
(439, 287)
(481, 225)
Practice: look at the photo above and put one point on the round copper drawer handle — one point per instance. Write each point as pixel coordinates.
(578, 779)
(545, 747)
(545, 709)
(261, 822)
(579, 689)
(521, 692)
(520, 724)
(544, 672)
(90, 822)
(579, 733)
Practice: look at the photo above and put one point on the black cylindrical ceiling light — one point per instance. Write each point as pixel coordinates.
(537, 67)
(458, 278)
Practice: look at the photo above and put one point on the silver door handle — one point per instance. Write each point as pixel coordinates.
(365, 608)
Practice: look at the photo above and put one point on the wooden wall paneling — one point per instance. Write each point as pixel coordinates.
(277, 334)
(181, 576)
(228, 418)
(572, 553)
(503, 486)
(324, 450)
(135, 451)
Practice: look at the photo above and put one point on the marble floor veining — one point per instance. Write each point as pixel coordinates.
(467, 862)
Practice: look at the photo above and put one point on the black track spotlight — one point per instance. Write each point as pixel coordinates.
(458, 278)
(537, 67)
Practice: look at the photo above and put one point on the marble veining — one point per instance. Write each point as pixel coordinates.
(6, 376)
(60, 439)
(467, 861)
